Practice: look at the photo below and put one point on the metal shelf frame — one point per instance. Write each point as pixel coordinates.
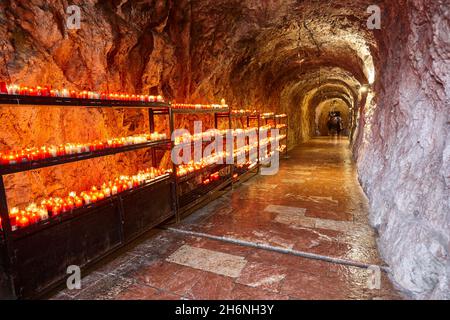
(118, 213)
(279, 120)
(111, 223)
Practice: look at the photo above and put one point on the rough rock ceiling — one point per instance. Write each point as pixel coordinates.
(274, 45)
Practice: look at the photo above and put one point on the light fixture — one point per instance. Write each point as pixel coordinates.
(364, 88)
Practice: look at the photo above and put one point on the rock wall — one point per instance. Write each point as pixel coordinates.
(136, 46)
(404, 160)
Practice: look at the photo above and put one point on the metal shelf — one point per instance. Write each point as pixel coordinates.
(78, 212)
(21, 100)
(48, 162)
(200, 111)
(202, 194)
(91, 232)
(191, 175)
(235, 115)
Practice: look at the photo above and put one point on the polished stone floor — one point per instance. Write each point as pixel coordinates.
(309, 221)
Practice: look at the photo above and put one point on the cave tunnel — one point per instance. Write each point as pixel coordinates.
(374, 196)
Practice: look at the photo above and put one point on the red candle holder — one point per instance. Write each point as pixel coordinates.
(3, 88)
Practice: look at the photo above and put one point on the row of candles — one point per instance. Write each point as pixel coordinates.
(244, 112)
(267, 115)
(198, 106)
(47, 91)
(272, 114)
(191, 166)
(266, 158)
(203, 136)
(212, 178)
(55, 206)
(51, 151)
(271, 140)
(207, 135)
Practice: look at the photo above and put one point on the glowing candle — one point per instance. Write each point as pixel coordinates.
(4, 159)
(53, 151)
(23, 90)
(43, 214)
(12, 159)
(69, 205)
(61, 151)
(87, 199)
(56, 210)
(22, 157)
(45, 91)
(13, 217)
(44, 153)
(78, 202)
(3, 88)
(14, 89)
(54, 93)
(33, 218)
(23, 222)
(107, 192)
(46, 205)
(34, 156)
(114, 190)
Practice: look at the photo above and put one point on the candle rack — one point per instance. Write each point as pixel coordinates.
(23, 100)
(282, 124)
(202, 111)
(34, 259)
(55, 161)
(188, 201)
(241, 174)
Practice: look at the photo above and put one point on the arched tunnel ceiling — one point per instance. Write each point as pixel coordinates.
(285, 46)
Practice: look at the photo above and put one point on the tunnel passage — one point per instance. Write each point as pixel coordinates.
(323, 112)
(285, 56)
(395, 84)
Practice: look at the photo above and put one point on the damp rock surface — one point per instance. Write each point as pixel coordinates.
(403, 160)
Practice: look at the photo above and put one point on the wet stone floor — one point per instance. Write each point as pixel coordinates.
(314, 205)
